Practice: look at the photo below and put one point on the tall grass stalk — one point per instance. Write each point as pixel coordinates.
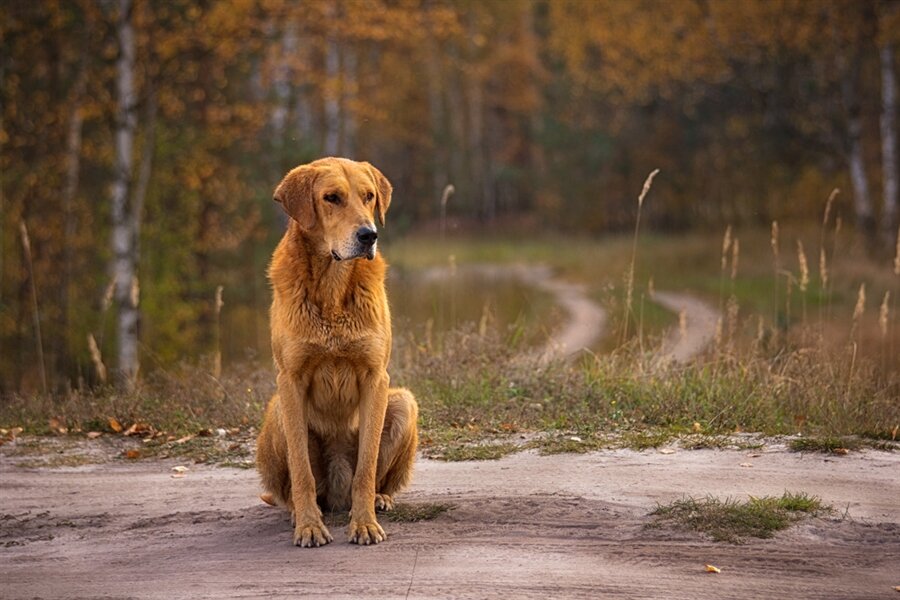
(217, 334)
(445, 197)
(773, 241)
(803, 283)
(629, 281)
(35, 310)
(726, 247)
(823, 258)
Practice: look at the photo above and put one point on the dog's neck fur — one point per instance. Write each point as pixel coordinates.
(326, 283)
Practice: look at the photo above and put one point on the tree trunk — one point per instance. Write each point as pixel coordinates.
(123, 228)
(349, 82)
(332, 95)
(862, 199)
(70, 222)
(889, 142)
(439, 135)
(282, 83)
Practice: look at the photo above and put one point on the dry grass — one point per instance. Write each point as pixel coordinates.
(730, 520)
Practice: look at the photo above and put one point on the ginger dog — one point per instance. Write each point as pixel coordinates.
(335, 433)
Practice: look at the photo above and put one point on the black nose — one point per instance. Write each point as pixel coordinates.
(366, 236)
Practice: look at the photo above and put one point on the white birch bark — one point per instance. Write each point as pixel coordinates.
(123, 230)
(862, 199)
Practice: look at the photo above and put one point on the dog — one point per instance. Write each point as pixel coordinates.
(335, 433)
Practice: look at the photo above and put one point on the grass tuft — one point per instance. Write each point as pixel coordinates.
(730, 520)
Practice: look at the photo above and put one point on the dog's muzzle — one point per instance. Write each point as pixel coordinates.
(363, 243)
(366, 238)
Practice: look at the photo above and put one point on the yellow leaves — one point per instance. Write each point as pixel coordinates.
(712, 569)
(115, 425)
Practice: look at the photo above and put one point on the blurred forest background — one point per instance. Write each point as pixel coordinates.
(140, 141)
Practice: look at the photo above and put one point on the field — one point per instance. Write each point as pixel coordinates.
(616, 455)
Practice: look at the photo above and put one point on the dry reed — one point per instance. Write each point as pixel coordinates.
(629, 281)
(36, 313)
(96, 358)
(217, 311)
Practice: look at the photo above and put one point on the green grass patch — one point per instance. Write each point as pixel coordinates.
(485, 451)
(731, 520)
(824, 444)
(839, 445)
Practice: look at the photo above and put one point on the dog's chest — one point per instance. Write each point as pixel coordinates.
(335, 389)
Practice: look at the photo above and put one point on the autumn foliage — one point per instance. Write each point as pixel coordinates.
(536, 111)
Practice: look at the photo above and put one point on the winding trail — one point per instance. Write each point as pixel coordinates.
(696, 330)
(587, 321)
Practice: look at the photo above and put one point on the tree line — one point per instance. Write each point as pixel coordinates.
(140, 139)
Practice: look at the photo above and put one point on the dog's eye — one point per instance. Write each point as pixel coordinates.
(332, 198)
(369, 196)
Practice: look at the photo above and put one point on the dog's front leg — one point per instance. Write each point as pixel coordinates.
(309, 530)
(364, 528)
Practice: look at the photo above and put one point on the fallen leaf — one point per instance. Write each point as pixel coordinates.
(713, 569)
(138, 428)
(233, 447)
(754, 455)
(697, 427)
(667, 451)
(177, 475)
(132, 454)
(16, 431)
(746, 464)
(221, 432)
(180, 469)
(93, 435)
(115, 425)
(185, 439)
(55, 424)
(204, 433)
(574, 438)
(897, 588)
(842, 451)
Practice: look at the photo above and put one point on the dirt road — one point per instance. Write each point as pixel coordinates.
(699, 326)
(526, 526)
(586, 321)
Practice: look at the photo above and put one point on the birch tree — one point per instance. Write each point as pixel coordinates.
(124, 231)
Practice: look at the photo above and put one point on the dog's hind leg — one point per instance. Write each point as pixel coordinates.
(397, 452)
(271, 459)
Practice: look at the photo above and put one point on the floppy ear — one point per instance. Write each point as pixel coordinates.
(295, 194)
(383, 199)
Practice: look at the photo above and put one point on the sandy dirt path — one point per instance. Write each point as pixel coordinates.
(586, 321)
(699, 319)
(526, 526)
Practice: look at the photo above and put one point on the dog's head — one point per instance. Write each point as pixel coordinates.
(337, 200)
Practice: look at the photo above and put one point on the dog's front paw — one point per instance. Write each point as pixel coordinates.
(311, 534)
(366, 532)
(384, 502)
